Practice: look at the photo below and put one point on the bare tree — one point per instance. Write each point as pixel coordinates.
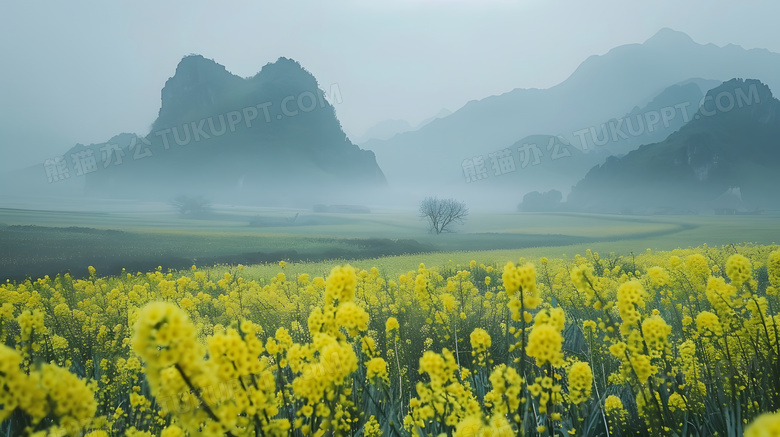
(441, 213)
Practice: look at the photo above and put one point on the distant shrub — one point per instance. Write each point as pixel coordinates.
(192, 206)
(536, 201)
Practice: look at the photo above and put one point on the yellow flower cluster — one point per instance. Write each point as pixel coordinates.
(545, 340)
(615, 411)
(324, 366)
(738, 269)
(444, 400)
(765, 425)
(48, 391)
(376, 368)
(506, 395)
(520, 285)
(630, 298)
(480, 344)
(580, 382)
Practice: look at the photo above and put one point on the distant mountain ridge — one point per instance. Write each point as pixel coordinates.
(274, 138)
(559, 162)
(731, 145)
(386, 129)
(602, 88)
(267, 139)
(271, 139)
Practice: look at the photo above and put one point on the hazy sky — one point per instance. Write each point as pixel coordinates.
(83, 71)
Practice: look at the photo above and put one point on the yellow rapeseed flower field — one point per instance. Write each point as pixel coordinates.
(679, 343)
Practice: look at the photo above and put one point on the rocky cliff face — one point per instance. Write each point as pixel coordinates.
(198, 83)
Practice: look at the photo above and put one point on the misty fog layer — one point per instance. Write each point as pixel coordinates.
(275, 139)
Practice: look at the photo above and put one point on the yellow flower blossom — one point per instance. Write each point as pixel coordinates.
(580, 382)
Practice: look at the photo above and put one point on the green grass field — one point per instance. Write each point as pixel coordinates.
(34, 243)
